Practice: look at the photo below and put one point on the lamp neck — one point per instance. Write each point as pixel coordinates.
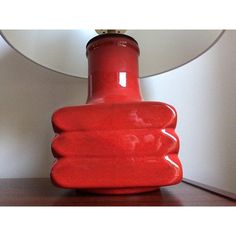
(113, 69)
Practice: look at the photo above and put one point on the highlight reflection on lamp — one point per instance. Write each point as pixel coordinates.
(116, 143)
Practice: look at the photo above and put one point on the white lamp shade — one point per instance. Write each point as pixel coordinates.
(64, 50)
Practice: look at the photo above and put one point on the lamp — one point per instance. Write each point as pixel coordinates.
(116, 143)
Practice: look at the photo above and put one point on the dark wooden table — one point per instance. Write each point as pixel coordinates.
(41, 192)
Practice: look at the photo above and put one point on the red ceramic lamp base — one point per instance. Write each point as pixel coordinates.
(116, 143)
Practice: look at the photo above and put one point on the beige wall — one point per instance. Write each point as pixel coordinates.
(202, 91)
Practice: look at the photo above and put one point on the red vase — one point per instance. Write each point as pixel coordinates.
(115, 143)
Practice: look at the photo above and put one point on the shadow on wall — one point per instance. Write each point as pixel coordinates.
(29, 94)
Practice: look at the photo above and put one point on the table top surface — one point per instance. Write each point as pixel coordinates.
(41, 192)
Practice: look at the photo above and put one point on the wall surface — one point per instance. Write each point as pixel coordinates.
(202, 91)
(28, 96)
(204, 94)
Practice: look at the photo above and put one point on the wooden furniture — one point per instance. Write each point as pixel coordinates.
(41, 192)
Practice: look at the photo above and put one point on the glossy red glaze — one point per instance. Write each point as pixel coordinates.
(116, 143)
